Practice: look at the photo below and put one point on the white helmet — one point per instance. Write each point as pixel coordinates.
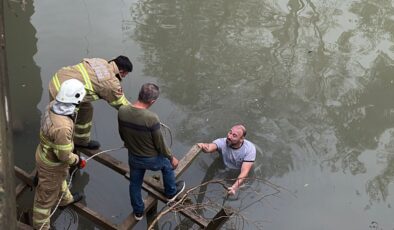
(71, 91)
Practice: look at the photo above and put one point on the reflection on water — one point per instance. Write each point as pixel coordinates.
(25, 87)
(311, 80)
(25, 81)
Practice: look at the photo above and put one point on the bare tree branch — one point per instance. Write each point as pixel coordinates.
(213, 205)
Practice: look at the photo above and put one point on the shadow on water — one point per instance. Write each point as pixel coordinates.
(25, 87)
(25, 81)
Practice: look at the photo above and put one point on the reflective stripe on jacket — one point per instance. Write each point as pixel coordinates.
(56, 139)
(85, 77)
(99, 78)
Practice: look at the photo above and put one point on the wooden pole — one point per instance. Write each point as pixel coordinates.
(23, 226)
(93, 216)
(151, 185)
(151, 199)
(151, 214)
(220, 218)
(7, 187)
(26, 180)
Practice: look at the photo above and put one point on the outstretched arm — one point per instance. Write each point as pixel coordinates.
(245, 169)
(208, 147)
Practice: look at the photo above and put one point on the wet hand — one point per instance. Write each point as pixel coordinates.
(231, 191)
(203, 146)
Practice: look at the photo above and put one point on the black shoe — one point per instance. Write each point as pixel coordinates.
(180, 186)
(77, 197)
(91, 145)
(138, 216)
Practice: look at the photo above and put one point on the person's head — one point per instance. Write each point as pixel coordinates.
(236, 136)
(149, 93)
(71, 91)
(124, 65)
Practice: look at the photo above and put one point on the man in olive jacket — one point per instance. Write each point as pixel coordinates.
(139, 128)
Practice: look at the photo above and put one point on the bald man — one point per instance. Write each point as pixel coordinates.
(236, 151)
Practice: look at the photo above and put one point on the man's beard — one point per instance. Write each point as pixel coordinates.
(229, 143)
(233, 145)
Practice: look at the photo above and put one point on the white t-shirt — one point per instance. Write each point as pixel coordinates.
(233, 158)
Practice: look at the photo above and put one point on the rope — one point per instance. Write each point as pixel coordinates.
(105, 151)
(58, 203)
(69, 183)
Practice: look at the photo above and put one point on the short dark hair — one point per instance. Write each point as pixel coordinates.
(148, 92)
(123, 63)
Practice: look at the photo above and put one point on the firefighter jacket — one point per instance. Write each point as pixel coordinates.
(99, 78)
(56, 140)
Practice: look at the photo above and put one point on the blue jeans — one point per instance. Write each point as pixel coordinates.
(138, 166)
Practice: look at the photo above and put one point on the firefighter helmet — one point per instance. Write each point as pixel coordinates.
(71, 91)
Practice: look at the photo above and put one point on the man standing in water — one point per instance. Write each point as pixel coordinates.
(236, 152)
(54, 154)
(139, 128)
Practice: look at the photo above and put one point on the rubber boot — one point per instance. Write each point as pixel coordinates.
(77, 197)
(93, 145)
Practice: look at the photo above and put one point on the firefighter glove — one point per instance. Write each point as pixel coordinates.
(81, 163)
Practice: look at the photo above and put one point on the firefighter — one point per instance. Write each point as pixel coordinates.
(102, 81)
(54, 154)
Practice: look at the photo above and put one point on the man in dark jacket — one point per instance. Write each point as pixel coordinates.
(139, 128)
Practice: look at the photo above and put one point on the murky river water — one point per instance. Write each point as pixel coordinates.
(311, 80)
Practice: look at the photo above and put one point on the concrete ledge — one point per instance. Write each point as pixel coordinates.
(7, 187)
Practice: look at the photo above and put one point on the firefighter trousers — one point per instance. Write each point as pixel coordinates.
(83, 124)
(51, 185)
